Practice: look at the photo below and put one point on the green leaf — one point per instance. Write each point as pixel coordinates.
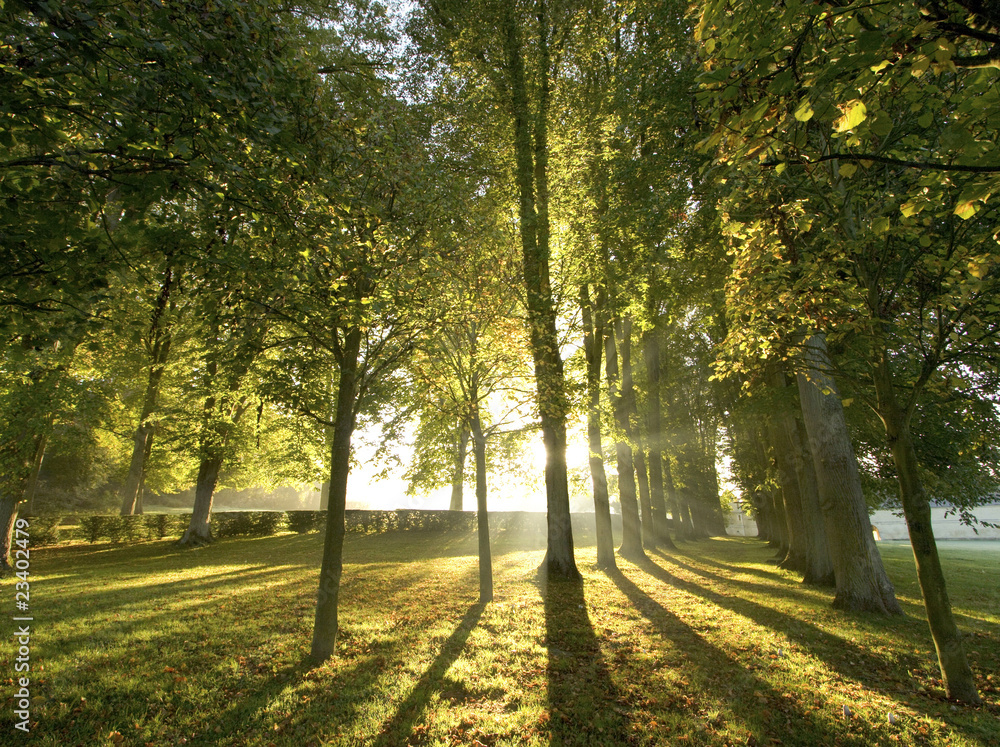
(804, 112)
(881, 124)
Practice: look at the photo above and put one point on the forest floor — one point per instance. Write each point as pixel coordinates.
(153, 645)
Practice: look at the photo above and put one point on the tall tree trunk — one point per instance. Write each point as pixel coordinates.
(951, 656)
(8, 515)
(654, 425)
(862, 583)
(593, 334)
(482, 514)
(142, 440)
(762, 515)
(324, 641)
(819, 567)
(458, 475)
(623, 331)
(788, 480)
(215, 435)
(31, 487)
(779, 525)
(716, 516)
(532, 174)
(672, 496)
(648, 528)
(631, 547)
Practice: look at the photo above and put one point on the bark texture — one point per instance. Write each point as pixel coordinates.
(324, 640)
(623, 330)
(199, 531)
(482, 514)
(862, 583)
(593, 335)
(8, 515)
(142, 441)
(952, 660)
(631, 546)
(788, 479)
(819, 567)
(531, 164)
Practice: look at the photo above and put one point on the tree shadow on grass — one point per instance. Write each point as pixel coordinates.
(754, 704)
(585, 707)
(767, 552)
(778, 586)
(847, 658)
(398, 729)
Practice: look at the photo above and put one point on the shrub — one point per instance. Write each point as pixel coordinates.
(94, 528)
(306, 521)
(157, 525)
(44, 530)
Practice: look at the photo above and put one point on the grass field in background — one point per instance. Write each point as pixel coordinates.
(153, 645)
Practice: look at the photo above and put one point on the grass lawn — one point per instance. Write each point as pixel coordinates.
(152, 645)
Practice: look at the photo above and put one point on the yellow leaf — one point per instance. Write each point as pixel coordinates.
(854, 113)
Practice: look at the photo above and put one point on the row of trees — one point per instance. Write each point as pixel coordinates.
(700, 235)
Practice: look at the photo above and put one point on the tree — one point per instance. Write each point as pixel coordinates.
(472, 362)
(510, 44)
(114, 111)
(852, 94)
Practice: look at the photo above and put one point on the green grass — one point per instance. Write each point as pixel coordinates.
(151, 645)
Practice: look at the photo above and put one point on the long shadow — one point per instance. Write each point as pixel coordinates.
(398, 729)
(845, 657)
(799, 591)
(585, 707)
(797, 630)
(782, 587)
(777, 575)
(758, 706)
(248, 713)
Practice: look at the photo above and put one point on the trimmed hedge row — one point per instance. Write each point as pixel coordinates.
(119, 529)
(131, 528)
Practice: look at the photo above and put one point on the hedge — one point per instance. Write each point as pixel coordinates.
(121, 529)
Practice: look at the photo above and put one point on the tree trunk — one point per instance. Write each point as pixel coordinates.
(458, 476)
(862, 583)
(214, 438)
(324, 641)
(482, 515)
(142, 441)
(654, 427)
(716, 516)
(532, 174)
(761, 515)
(593, 334)
(31, 487)
(199, 531)
(951, 656)
(819, 567)
(779, 525)
(631, 547)
(623, 330)
(672, 498)
(8, 515)
(788, 479)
